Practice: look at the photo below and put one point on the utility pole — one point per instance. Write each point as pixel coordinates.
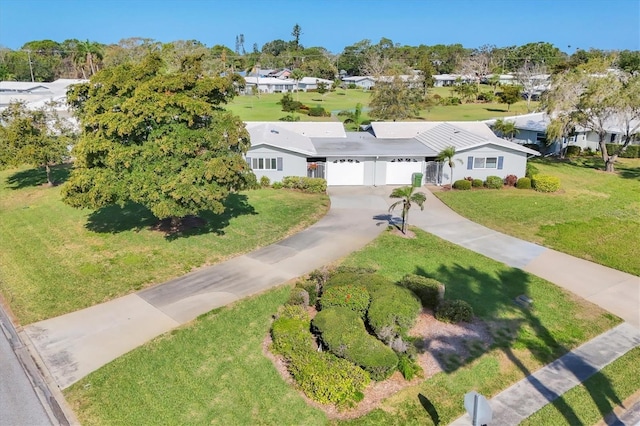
(30, 66)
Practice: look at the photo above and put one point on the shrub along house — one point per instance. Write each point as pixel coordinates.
(388, 153)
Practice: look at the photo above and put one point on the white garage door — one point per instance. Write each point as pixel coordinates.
(399, 170)
(345, 171)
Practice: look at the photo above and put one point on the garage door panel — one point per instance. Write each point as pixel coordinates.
(345, 172)
(400, 172)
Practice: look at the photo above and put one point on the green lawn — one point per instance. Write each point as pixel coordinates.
(214, 370)
(596, 397)
(56, 259)
(595, 215)
(266, 108)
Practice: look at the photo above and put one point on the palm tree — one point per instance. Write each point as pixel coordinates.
(505, 128)
(407, 197)
(297, 75)
(355, 117)
(446, 155)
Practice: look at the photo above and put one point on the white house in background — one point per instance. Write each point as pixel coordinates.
(268, 85)
(503, 79)
(445, 80)
(388, 153)
(311, 83)
(532, 129)
(361, 81)
(36, 95)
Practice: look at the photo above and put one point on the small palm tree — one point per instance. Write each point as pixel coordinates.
(505, 128)
(407, 197)
(446, 155)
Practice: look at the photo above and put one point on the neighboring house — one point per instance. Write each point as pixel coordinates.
(388, 154)
(446, 80)
(35, 95)
(363, 82)
(268, 85)
(503, 79)
(532, 129)
(311, 83)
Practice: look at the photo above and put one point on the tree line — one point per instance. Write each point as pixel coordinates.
(48, 60)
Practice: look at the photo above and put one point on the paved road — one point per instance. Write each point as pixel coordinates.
(19, 403)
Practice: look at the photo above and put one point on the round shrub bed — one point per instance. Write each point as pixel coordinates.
(523, 183)
(393, 312)
(454, 311)
(546, 183)
(351, 296)
(343, 332)
(462, 185)
(429, 291)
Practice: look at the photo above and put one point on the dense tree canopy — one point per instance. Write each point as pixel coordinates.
(396, 100)
(157, 138)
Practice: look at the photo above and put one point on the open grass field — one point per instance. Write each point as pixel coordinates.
(595, 215)
(213, 371)
(266, 107)
(56, 259)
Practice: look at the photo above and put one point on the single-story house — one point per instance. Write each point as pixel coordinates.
(363, 81)
(532, 129)
(311, 83)
(268, 85)
(35, 95)
(445, 80)
(389, 153)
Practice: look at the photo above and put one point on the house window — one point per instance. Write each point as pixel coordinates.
(613, 138)
(486, 163)
(264, 164)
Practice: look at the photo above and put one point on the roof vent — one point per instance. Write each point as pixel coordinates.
(275, 131)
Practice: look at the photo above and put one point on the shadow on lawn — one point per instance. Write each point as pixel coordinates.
(135, 217)
(492, 299)
(38, 176)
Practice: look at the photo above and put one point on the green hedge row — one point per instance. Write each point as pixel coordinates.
(322, 376)
(393, 312)
(344, 333)
(305, 184)
(632, 151)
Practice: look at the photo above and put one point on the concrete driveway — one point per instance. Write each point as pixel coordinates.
(73, 345)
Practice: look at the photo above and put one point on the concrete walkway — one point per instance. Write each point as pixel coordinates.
(73, 345)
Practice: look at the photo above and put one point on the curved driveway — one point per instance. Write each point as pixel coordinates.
(73, 345)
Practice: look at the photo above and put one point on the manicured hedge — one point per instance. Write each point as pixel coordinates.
(477, 183)
(351, 296)
(632, 151)
(428, 290)
(462, 184)
(324, 377)
(371, 281)
(344, 333)
(494, 182)
(298, 296)
(311, 288)
(546, 183)
(305, 184)
(523, 183)
(393, 312)
(454, 311)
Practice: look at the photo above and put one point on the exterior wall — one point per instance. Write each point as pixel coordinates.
(292, 164)
(513, 163)
(526, 136)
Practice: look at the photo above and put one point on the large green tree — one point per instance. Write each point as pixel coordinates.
(396, 100)
(38, 137)
(161, 139)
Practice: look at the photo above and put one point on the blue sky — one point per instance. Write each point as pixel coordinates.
(334, 24)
